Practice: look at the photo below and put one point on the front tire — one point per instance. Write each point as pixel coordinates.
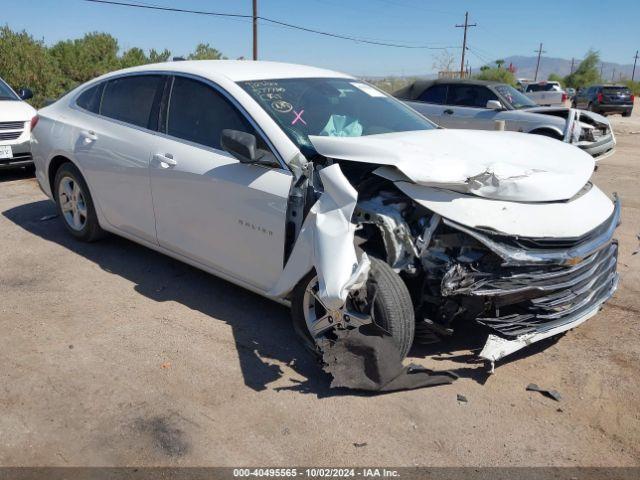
(392, 308)
(75, 205)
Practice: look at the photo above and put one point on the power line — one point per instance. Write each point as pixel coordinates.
(466, 26)
(268, 20)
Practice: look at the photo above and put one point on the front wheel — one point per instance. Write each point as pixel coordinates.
(75, 204)
(384, 300)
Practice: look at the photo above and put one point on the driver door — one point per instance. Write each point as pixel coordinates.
(467, 104)
(209, 207)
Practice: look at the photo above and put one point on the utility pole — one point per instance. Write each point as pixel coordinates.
(464, 41)
(572, 63)
(540, 52)
(255, 29)
(613, 74)
(601, 67)
(635, 60)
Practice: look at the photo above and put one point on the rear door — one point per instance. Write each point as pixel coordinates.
(466, 107)
(210, 208)
(430, 103)
(113, 137)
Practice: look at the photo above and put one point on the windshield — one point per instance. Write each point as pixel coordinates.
(514, 98)
(6, 93)
(336, 107)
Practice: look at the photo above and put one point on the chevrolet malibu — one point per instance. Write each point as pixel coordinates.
(318, 190)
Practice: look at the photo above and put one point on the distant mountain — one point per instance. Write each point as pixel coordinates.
(526, 67)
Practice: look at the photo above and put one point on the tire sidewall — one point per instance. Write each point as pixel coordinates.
(91, 227)
(383, 310)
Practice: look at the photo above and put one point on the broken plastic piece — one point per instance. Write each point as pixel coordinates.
(553, 394)
(326, 243)
(368, 359)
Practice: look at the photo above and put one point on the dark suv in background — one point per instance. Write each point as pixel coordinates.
(605, 99)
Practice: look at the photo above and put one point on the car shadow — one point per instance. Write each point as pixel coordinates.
(19, 173)
(263, 334)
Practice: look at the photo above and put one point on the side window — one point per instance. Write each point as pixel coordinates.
(199, 113)
(131, 99)
(475, 96)
(90, 99)
(435, 94)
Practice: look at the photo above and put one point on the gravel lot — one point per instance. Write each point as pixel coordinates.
(112, 354)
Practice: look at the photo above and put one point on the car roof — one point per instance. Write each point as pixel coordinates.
(236, 70)
(413, 90)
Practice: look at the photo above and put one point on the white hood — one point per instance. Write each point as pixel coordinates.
(15, 111)
(497, 165)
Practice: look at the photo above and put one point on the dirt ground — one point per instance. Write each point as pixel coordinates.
(111, 354)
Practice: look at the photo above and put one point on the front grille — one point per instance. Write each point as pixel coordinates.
(540, 298)
(10, 135)
(11, 125)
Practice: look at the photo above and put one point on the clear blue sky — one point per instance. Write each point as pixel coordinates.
(567, 28)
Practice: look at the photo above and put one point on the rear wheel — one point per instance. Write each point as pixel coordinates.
(626, 114)
(384, 300)
(75, 204)
(590, 107)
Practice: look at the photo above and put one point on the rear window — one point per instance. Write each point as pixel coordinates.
(90, 99)
(130, 99)
(547, 87)
(623, 90)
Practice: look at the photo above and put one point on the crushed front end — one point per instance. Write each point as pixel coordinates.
(521, 289)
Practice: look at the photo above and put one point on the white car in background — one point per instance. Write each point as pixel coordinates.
(546, 93)
(15, 127)
(311, 187)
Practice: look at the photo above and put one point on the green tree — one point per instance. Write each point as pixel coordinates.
(25, 62)
(85, 58)
(587, 72)
(554, 77)
(204, 51)
(159, 57)
(133, 57)
(499, 63)
(501, 75)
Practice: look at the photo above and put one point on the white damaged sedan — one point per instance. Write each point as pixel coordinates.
(316, 189)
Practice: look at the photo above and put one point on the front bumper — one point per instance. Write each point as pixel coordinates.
(21, 155)
(543, 287)
(600, 149)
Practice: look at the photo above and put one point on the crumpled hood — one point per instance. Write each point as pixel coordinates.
(497, 165)
(15, 111)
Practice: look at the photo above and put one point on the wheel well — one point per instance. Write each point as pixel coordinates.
(547, 132)
(54, 165)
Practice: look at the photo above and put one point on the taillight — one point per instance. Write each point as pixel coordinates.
(565, 97)
(633, 97)
(34, 122)
(600, 98)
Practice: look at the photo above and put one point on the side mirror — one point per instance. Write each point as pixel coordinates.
(494, 105)
(25, 93)
(241, 145)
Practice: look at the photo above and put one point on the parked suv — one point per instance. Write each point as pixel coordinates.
(605, 99)
(15, 127)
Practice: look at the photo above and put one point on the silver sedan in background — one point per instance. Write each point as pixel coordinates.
(478, 105)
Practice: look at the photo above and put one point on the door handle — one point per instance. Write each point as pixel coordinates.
(448, 111)
(165, 160)
(89, 136)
